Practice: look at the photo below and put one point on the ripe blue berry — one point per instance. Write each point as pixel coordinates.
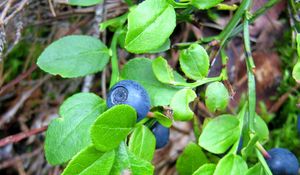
(282, 162)
(131, 93)
(161, 134)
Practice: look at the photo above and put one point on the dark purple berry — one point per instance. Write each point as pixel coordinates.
(282, 162)
(131, 93)
(161, 134)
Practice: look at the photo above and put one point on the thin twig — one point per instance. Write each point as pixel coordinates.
(51, 8)
(4, 12)
(282, 99)
(9, 114)
(21, 6)
(18, 79)
(11, 162)
(18, 137)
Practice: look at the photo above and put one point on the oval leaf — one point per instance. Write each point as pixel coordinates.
(216, 97)
(298, 43)
(218, 139)
(67, 135)
(256, 169)
(180, 104)
(206, 169)
(232, 165)
(140, 70)
(194, 62)
(162, 71)
(191, 158)
(128, 162)
(149, 26)
(162, 48)
(261, 128)
(142, 143)
(112, 127)
(162, 119)
(74, 56)
(296, 72)
(90, 162)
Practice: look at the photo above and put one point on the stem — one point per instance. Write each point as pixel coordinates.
(250, 74)
(114, 59)
(262, 150)
(222, 6)
(224, 65)
(223, 36)
(18, 137)
(263, 162)
(199, 82)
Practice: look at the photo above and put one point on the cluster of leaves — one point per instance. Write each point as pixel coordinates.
(98, 140)
(296, 70)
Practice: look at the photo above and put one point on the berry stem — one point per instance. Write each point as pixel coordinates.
(263, 162)
(251, 77)
(114, 59)
(262, 150)
(150, 114)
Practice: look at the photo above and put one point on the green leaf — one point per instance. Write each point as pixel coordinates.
(205, 4)
(126, 161)
(220, 133)
(149, 26)
(180, 104)
(248, 150)
(121, 38)
(113, 23)
(69, 134)
(162, 48)
(142, 143)
(74, 56)
(162, 71)
(140, 70)
(112, 127)
(256, 170)
(90, 161)
(194, 62)
(298, 45)
(263, 162)
(216, 97)
(296, 72)
(162, 119)
(261, 128)
(84, 2)
(206, 169)
(190, 160)
(232, 165)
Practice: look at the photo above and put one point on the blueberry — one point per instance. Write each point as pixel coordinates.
(282, 162)
(161, 134)
(240, 146)
(131, 93)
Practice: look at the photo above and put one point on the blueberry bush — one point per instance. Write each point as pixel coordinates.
(121, 133)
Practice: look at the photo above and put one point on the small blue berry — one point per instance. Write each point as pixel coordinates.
(161, 134)
(131, 93)
(282, 162)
